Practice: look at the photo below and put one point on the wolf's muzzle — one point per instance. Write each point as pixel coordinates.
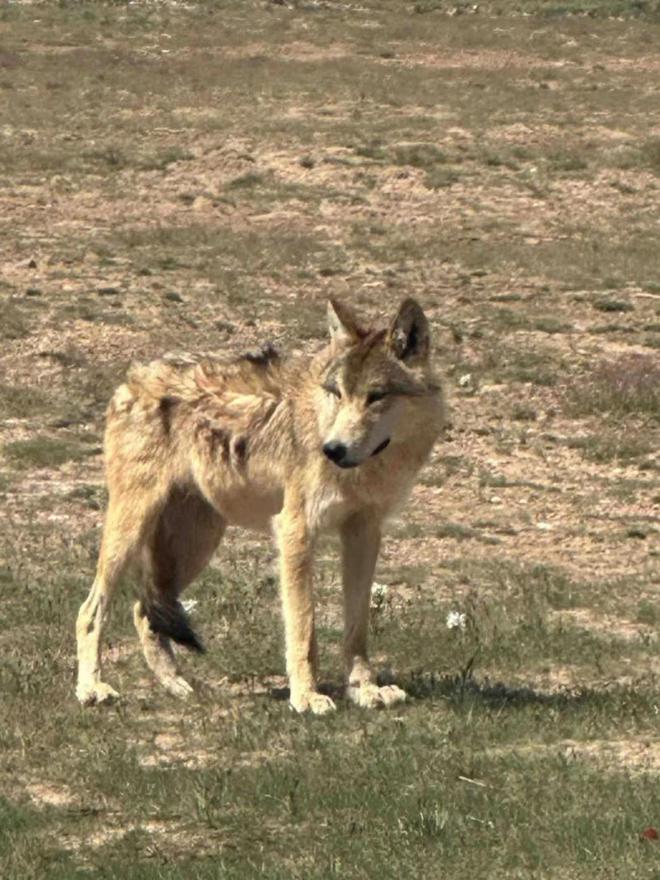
(337, 453)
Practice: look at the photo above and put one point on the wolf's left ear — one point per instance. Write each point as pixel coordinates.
(409, 335)
(342, 323)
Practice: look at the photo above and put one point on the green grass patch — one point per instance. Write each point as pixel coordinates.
(648, 612)
(20, 401)
(42, 451)
(418, 155)
(613, 305)
(509, 320)
(16, 323)
(237, 778)
(612, 445)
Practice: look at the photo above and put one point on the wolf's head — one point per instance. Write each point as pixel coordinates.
(376, 385)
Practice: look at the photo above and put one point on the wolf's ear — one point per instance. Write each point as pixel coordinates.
(409, 336)
(342, 323)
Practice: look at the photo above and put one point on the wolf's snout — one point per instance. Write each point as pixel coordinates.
(335, 451)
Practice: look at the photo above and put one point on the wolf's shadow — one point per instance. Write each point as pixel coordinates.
(458, 689)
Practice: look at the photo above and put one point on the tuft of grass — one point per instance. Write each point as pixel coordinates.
(506, 320)
(550, 324)
(420, 155)
(42, 451)
(23, 401)
(455, 531)
(648, 612)
(15, 323)
(524, 412)
(372, 149)
(613, 305)
(94, 497)
(441, 177)
(534, 366)
(650, 155)
(627, 447)
(628, 385)
(247, 181)
(162, 159)
(567, 161)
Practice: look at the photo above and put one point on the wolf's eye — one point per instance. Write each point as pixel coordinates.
(375, 396)
(332, 389)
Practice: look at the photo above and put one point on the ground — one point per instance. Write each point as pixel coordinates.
(202, 176)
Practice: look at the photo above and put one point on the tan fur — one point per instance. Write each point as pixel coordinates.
(195, 445)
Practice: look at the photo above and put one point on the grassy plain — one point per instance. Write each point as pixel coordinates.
(202, 176)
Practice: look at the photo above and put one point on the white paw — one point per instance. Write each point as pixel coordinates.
(97, 692)
(311, 701)
(370, 696)
(178, 687)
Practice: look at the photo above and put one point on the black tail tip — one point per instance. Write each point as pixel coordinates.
(172, 621)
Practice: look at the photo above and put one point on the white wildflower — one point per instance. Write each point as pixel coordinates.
(456, 620)
(379, 593)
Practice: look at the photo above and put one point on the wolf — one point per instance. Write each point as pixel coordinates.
(299, 446)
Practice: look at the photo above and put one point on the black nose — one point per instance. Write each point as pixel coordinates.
(335, 451)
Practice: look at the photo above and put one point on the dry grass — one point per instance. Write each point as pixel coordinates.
(627, 386)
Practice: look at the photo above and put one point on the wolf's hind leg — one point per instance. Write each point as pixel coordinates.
(123, 533)
(360, 539)
(186, 536)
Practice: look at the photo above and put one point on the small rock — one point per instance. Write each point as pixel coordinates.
(173, 296)
(202, 203)
(33, 291)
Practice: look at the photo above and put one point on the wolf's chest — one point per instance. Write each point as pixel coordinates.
(326, 507)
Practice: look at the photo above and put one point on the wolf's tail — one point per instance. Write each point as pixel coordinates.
(170, 619)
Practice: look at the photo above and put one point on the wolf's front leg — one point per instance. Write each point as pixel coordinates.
(360, 537)
(296, 575)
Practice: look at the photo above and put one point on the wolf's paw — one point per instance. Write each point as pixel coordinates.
(370, 696)
(95, 693)
(177, 686)
(311, 701)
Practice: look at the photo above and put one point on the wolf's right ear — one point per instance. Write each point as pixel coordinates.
(342, 323)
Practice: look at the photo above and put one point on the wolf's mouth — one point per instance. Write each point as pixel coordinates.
(345, 464)
(380, 448)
